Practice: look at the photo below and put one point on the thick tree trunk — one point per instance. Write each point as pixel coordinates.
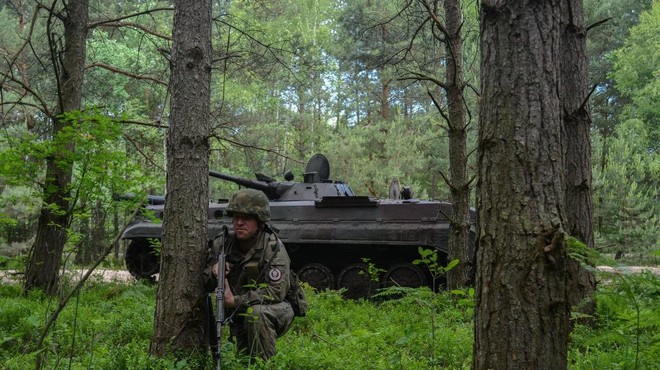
(43, 265)
(522, 310)
(576, 125)
(182, 315)
(462, 274)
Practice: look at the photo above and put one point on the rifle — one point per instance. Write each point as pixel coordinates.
(220, 293)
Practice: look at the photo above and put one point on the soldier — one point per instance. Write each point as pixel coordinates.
(257, 277)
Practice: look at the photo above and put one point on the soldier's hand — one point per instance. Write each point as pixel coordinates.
(215, 272)
(229, 296)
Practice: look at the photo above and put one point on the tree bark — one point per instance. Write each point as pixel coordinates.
(459, 248)
(577, 125)
(42, 270)
(182, 314)
(385, 99)
(522, 310)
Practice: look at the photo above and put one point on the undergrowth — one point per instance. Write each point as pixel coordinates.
(625, 332)
(109, 326)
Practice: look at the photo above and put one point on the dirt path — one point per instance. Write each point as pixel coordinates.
(14, 277)
(630, 270)
(122, 276)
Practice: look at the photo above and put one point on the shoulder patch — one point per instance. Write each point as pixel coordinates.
(275, 274)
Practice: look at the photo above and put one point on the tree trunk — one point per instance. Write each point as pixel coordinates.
(83, 252)
(182, 315)
(461, 275)
(98, 231)
(115, 229)
(385, 99)
(522, 310)
(42, 270)
(576, 125)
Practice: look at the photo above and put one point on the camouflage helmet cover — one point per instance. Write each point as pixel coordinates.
(250, 202)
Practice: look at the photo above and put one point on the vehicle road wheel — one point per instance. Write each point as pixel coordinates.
(141, 259)
(317, 275)
(356, 280)
(405, 275)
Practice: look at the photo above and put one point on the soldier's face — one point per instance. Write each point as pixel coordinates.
(245, 226)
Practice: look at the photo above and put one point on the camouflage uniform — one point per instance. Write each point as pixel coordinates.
(259, 280)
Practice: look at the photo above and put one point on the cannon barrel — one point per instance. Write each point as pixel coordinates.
(270, 189)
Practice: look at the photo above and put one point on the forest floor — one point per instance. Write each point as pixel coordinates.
(123, 276)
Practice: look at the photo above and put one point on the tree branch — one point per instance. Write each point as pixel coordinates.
(133, 25)
(243, 145)
(27, 90)
(130, 140)
(598, 23)
(155, 124)
(437, 105)
(125, 73)
(422, 77)
(52, 48)
(436, 21)
(109, 22)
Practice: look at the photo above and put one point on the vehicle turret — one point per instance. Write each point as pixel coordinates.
(315, 185)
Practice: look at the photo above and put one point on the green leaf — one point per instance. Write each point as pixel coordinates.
(452, 264)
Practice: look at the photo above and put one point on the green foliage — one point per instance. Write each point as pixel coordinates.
(626, 203)
(637, 72)
(579, 251)
(624, 64)
(367, 157)
(623, 333)
(13, 263)
(389, 334)
(611, 21)
(438, 309)
(109, 326)
(18, 206)
(101, 170)
(429, 258)
(626, 333)
(20, 198)
(373, 270)
(123, 51)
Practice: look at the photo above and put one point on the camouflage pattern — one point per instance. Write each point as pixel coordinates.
(259, 280)
(256, 331)
(249, 202)
(259, 289)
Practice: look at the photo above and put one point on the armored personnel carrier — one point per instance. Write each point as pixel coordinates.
(335, 239)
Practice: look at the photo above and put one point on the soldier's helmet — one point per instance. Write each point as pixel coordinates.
(250, 202)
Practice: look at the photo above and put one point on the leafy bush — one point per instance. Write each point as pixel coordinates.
(109, 326)
(626, 334)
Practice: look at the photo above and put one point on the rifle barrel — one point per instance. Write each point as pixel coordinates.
(220, 294)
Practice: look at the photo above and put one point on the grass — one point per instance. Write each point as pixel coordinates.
(109, 326)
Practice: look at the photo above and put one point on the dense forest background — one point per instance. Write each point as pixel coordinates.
(102, 103)
(352, 80)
